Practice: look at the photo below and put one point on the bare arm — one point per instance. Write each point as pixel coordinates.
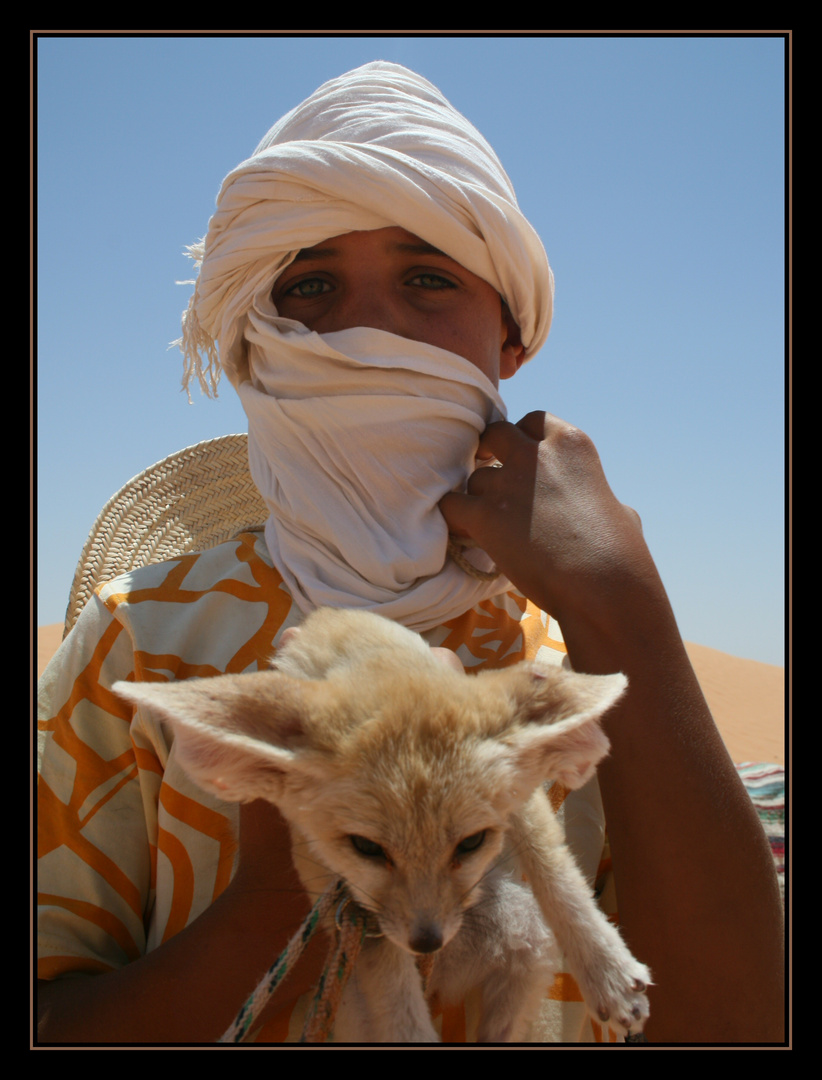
(190, 989)
(698, 899)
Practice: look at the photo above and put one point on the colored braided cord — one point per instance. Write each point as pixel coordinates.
(281, 967)
(319, 1024)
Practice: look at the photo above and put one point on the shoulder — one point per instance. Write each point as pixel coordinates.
(202, 614)
(501, 631)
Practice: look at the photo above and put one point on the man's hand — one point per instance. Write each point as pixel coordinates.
(547, 516)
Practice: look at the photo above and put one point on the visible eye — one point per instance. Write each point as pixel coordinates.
(308, 288)
(431, 281)
(470, 843)
(368, 848)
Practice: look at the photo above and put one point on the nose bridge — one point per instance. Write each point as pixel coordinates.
(430, 896)
(434, 913)
(373, 305)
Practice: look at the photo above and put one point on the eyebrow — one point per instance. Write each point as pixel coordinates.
(418, 249)
(315, 253)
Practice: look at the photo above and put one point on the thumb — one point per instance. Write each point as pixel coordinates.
(457, 508)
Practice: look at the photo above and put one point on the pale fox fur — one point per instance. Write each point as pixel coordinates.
(421, 787)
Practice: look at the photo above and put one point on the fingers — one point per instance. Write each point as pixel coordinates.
(633, 515)
(540, 444)
(457, 510)
(502, 441)
(447, 657)
(536, 424)
(463, 512)
(501, 438)
(265, 848)
(260, 821)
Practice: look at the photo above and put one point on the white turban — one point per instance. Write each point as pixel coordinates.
(355, 436)
(379, 146)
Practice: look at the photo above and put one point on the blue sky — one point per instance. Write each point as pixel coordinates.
(653, 169)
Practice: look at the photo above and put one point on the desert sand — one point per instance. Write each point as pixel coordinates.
(747, 698)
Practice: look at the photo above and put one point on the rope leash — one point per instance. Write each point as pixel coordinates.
(352, 928)
(456, 544)
(281, 966)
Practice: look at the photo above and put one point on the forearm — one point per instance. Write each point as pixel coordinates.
(696, 888)
(188, 990)
(695, 880)
(191, 987)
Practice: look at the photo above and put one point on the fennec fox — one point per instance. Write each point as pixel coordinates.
(421, 787)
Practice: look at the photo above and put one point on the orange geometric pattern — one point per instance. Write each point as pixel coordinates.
(130, 851)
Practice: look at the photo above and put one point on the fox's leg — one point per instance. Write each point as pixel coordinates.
(612, 982)
(383, 1000)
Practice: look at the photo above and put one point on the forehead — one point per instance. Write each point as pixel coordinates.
(392, 239)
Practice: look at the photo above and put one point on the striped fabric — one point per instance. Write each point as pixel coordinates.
(766, 786)
(130, 851)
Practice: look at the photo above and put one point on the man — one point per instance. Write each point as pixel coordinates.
(366, 282)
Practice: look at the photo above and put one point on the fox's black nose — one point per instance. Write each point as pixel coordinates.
(426, 940)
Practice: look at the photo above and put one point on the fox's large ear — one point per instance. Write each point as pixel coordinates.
(235, 735)
(557, 733)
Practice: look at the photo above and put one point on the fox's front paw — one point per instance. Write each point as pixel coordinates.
(618, 997)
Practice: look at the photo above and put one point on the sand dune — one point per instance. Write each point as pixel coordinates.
(48, 640)
(745, 696)
(747, 699)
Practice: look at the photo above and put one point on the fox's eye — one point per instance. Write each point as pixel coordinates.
(471, 843)
(368, 848)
